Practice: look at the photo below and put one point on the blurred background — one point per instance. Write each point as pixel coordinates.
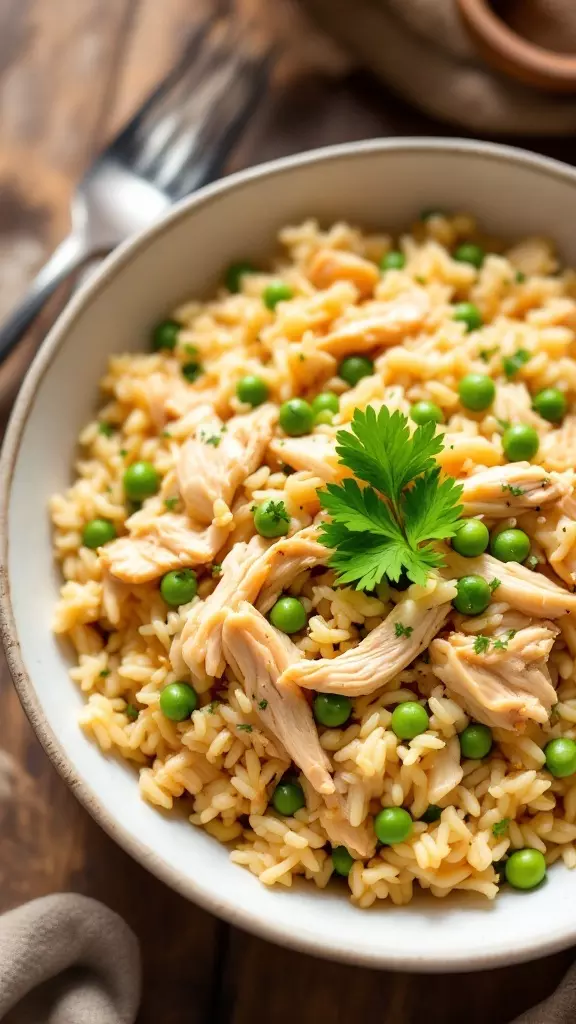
(71, 73)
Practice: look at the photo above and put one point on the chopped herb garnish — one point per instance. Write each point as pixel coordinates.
(501, 644)
(131, 711)
(105, 428)
(420, 278)
(191, 371)
(499, 827)
(520, 276)
(494, 584)
(302, 357)
(512, 364)
(217, 569)
(276, 512)
(487, 353)
(262, 704)
(123, 452)
(401, 630)
(503, 424)
(531, 562)
(211, 707)
(166, 433)
(516, 491)
(244, 727)
(191, 350)
(481, 644)
(385, 529)
(105, 672)
(213, 439)
(170, 503)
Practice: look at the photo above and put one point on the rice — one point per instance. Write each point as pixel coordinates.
(221, 764)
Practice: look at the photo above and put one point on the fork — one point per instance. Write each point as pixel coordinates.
(178, 140)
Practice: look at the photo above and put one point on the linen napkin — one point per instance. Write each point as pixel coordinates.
(422, 49)
(67, 959)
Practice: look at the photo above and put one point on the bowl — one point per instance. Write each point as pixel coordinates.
(382, 183)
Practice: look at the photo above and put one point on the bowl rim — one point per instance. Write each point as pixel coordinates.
(251, 921)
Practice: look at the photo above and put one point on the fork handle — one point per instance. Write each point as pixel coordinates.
(67, 257)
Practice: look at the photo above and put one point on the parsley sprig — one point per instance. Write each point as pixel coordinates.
(385, 528)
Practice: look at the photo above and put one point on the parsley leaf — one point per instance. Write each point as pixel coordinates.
(131, 712)
(385, 528)
(481, 644)
(499, 827)
(277, 511)
(217, 569)
(512, 364)
(244, 727)
(517, 492)
(401, 630)
(494, 584)
(170, 503)
(262, 704)
(105, 428)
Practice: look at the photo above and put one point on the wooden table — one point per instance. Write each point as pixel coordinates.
(70, 73)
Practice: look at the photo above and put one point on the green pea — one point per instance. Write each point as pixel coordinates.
(324, 416)
(140, 481)
(288, 797)
(296, 417)
(342, 861)
(473, 595)
(288, 615)
(551, 404)
(275, 292)
(252, 390)
(475, 741)
(471, 538)
(271, 519)
(520, 442)
(98, 532)
(476, 391)
(431, 814)
(561, 757)
(393, 825)
(332, 709)
(468, 314)
(235, 273)
(525, 869)
(393, 260)
(178, 701)
(426, 412)
(192, 370)
(409, 719)
(468, 252)
(510, 545)
(165, 335)
(326, 401)
(179, 587)
(354, 368)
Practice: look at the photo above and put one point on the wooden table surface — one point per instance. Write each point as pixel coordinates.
(70, 73)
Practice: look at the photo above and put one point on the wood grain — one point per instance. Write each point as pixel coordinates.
(70, 72)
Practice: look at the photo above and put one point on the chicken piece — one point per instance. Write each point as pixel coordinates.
(331, 265)
(166, 543)
(503, 688)
(151, 394)
(523, 589)
(446, 771)
(558, 448)
(403, 635)
(215, 462)
(114, 596)
(314, 452)
(258, 654)
(383, 324)
(248, 570)
(359, 839)
(555, 532)
(513, 404)
(501, 491)
(198, 648)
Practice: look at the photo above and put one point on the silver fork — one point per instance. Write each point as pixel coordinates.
(176, 142)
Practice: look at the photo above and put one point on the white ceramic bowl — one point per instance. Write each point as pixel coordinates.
(379, 184)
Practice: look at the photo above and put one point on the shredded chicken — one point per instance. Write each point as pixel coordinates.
(258, 654)
(558, 448)
(446, 772)
(503, 688)
(167, 542)
(331, 265)
(114, 596)
(359, 839)
(526, 591)
(214, 462)
(403, 635)
(513, 404)
(315, 453)
(501, 491)
(383, 324)
(257, 573)
(555, 532)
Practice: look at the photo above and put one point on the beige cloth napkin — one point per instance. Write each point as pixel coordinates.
(422, 49)
(67, 959)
